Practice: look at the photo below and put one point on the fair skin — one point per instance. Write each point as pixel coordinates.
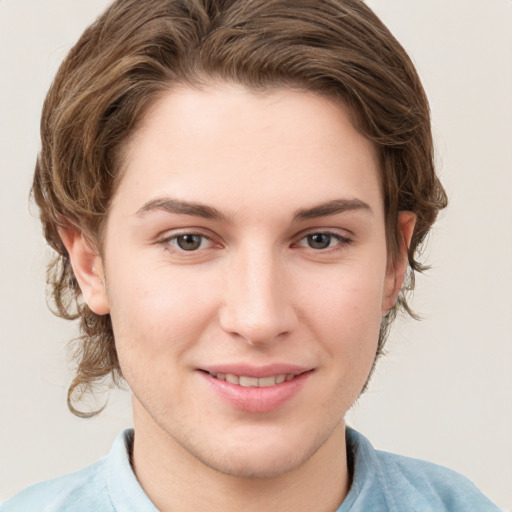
(246, 241)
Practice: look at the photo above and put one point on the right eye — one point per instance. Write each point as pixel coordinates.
(187, 242)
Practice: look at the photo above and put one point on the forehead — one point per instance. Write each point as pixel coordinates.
(227, 145)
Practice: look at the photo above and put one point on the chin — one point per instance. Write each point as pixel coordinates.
(256, 466)
(261, 457)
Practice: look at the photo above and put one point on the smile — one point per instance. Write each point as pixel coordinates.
(256, 390)
(253, 382)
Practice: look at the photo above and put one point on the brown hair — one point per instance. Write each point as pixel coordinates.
(138, 50)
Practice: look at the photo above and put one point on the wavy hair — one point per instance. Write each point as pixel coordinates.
(136, 51)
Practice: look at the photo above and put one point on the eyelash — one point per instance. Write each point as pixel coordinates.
(171, 242)
(342, 240)
(168, 242)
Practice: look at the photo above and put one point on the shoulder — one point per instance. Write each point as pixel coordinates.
(106, 486)
(424, 482)
(408, 484)
(84, 490)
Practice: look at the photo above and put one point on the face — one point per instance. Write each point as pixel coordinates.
(246, 274)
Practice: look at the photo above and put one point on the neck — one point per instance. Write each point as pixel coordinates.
(176, 481)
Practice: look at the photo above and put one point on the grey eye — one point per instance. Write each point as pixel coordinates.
(319, 240)
(189, 242)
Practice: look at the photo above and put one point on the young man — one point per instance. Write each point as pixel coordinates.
(235, 191)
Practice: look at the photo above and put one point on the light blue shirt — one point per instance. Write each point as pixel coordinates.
(381, 482)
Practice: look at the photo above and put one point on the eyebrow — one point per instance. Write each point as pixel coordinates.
(331, 208)
(179, 207)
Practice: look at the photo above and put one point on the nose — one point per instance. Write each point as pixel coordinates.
(258, 305)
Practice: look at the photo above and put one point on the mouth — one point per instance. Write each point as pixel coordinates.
(254, 382)
(256, 389)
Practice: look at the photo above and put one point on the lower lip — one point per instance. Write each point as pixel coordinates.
(254, 399)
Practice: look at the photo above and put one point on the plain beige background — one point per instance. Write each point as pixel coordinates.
(444, 392)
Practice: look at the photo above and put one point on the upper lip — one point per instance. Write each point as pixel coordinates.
(247, 370)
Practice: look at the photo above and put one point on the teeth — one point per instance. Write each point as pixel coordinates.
(233, 379)
(249, 382)
(253, 382)
(267, 381)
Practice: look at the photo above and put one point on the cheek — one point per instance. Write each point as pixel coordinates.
(345, 313)
(156, 313)
(351, 296)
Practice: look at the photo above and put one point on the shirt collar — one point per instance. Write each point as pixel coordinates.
(124, 489)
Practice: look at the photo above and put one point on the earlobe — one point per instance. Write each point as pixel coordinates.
(397, 268)
(88, 269)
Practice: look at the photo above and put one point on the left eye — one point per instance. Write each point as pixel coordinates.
(321, 241)
(189, 242)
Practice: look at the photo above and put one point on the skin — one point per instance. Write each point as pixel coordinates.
(255, 289)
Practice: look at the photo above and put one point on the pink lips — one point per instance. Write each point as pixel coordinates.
(250, 397)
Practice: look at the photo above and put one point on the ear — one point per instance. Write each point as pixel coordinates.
(397, 267)
(88, 269)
